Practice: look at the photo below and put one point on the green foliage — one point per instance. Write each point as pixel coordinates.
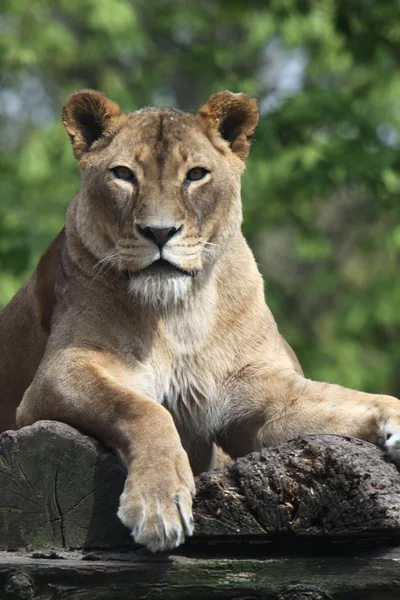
(321, 192)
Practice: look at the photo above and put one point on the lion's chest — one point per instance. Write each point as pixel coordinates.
(191, 393)
(184, 371)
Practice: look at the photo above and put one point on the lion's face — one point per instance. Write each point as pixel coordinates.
(160, 198)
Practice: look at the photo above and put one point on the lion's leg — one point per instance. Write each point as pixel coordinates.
(90, 390)
(282, 406)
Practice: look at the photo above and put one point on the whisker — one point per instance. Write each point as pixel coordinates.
(106, 263)
(101, 265)
(210, 244)
(107, 257)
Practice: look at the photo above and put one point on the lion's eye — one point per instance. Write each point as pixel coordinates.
(196, 174)
(123, 173)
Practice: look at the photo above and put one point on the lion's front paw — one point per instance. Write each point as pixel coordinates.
(156, 503)
(388, 435)
(391, 436)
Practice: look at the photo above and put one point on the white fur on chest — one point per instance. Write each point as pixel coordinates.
(189, 391)
(192, 396)
(182, 372)
(189, 384)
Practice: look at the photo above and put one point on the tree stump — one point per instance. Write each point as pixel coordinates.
(58, 489)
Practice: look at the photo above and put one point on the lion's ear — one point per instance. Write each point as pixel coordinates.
(88, 116)
(236, 117)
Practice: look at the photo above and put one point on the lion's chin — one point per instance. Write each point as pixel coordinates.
(159, 287)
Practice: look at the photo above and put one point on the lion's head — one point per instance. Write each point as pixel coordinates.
(160, 197)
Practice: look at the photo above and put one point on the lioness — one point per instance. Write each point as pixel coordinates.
(145, 323)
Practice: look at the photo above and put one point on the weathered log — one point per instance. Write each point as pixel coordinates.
(308, 520)
(60, 489)
(369, 576)
(323, 485)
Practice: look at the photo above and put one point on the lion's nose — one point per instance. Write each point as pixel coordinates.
(158, 235)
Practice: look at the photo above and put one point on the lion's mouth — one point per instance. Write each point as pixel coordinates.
(164, 266)
(159, 267)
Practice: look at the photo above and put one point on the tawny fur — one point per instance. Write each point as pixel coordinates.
(164, 363)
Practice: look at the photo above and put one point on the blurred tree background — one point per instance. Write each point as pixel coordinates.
(321, 191)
